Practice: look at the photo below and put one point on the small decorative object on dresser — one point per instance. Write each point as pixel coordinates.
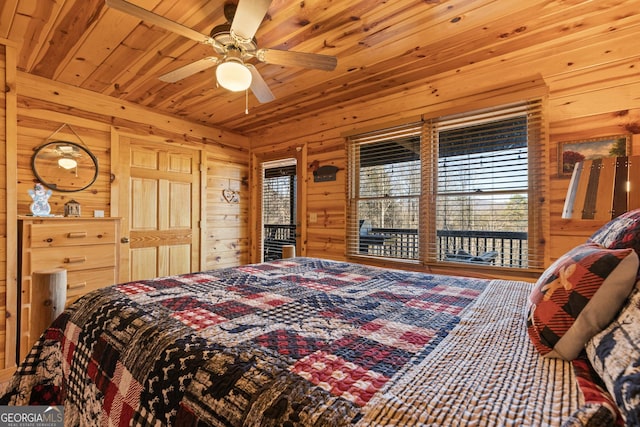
(72, 208)
(40, 205)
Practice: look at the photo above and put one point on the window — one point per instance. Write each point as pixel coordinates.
(481, 210)
(278, 209)
(385, 193)
(450, 189)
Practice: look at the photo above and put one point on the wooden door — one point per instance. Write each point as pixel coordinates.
(160, 210)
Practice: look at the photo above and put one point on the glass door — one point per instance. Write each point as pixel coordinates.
(279, 207)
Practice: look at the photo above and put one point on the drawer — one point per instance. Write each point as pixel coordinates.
(72, 234)
(85, 281)
(74, 258)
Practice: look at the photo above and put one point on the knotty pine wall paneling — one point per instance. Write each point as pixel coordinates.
(226, 240)
(3, 204)
(8, 215)
(43, 106)
(34, 129)
(327, 200)
(592, 88)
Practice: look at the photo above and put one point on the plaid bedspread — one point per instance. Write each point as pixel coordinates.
(297, 342)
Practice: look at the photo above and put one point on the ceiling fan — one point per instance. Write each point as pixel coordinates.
(234, 44)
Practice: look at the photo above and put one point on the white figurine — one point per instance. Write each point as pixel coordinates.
(40, 205)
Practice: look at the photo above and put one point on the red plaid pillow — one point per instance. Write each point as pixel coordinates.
(577, 297)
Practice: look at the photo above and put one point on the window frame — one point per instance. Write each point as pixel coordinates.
(537, 184)
(354, 240)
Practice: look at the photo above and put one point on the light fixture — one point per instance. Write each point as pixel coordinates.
(232, 74)
(67, 163)
(65, 149)
(603, 189)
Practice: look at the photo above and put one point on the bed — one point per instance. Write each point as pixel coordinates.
(310, 342)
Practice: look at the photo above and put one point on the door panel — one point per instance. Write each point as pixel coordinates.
(163, 207)
(179, 256)
(179, 197)
(179, 163)
(144, 159)
(144, 204)
(143, 263)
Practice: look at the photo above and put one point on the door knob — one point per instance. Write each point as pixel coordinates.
(124, 240)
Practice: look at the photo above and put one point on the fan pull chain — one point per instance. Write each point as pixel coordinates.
(246, 101)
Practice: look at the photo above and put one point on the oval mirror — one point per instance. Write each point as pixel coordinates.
(64, 166)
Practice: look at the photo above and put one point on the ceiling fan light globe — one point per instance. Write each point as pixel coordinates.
(67, 163)
(233, 76)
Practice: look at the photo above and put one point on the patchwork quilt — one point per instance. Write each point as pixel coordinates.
(297, 342)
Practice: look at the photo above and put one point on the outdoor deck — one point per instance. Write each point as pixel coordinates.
(499, 248)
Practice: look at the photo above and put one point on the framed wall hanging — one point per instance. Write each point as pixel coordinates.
(572, 152)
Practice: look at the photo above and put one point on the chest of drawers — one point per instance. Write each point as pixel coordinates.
(87, 248)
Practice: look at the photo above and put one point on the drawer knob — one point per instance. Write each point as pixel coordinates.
(76, 285)
(49, 240)
(76, 259)
(77, 234)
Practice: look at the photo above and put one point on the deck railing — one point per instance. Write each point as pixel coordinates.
(465, 246)
(390, 242)
(500, 248)
(511, 246)
(275, 237)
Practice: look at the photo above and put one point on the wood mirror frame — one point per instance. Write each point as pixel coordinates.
(49, 167)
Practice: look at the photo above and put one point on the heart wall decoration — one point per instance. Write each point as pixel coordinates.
(231, 196)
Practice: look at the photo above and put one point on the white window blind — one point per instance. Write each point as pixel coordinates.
(479, 181)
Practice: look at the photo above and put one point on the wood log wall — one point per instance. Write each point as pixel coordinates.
(3, 205)
(593, 91)
(42, 110)
(32, 109)
(8, 217)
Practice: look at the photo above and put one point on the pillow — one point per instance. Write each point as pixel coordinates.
(620, 233)
(614, 354)
(577, 297)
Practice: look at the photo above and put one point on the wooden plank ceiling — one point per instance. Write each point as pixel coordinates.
(381, 46)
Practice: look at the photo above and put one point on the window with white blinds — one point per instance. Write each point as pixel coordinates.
(463, 197)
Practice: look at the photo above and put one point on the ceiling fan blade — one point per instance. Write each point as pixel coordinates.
(160, 21)
(297, 59)
(248, 17)
(259, 86)
(189, 69)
